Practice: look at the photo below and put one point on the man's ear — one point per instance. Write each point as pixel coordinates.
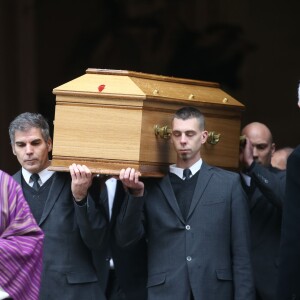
(273, 147)
(49, 145)
(13, 149)
(204, 135)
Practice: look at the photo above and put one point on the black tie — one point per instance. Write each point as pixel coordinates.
(35, 178)
(186, 174)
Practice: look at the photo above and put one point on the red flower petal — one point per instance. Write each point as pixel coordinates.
(101, 87)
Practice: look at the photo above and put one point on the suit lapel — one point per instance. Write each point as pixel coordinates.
(204, 177)
(57, 185)
(166, 187)
(254, 197)
(251, 192)
(99, 196)
(18, 177)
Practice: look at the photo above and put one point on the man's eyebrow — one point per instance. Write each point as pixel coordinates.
(261, 145)
(33, 141)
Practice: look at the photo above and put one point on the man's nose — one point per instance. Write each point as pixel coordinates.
(255, 152)
(28, 149)
(183, 138)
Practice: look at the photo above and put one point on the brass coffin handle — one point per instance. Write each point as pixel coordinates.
(165, 132)
(243, 141)
(213, 137)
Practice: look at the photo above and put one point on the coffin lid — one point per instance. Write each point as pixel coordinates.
(122, 84)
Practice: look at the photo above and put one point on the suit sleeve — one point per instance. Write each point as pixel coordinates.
(240, 241)
(130, 226)
(271, 185)
(289, 256)
(91, 218)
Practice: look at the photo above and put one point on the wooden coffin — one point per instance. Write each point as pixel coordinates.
(112, 119)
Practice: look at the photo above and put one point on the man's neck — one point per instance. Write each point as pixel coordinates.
(184, 164)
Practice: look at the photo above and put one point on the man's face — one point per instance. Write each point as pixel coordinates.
(187, 139)
(263, 148)
(31, 150)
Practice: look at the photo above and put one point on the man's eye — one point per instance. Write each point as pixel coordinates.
(190, 134)
(177, 134)
(261, 147)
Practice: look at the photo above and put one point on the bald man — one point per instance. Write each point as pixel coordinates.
(265, 187)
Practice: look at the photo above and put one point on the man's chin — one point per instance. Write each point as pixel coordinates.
(184, 156)
(32, 168)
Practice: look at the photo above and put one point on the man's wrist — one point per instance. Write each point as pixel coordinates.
(134, 192)
(80, 202)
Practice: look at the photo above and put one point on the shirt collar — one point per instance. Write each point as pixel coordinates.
(247, 179)
(44, 176)
(179, 171)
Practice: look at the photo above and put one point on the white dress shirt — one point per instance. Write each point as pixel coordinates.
(179, 171)
(44, 176)
(111, 185)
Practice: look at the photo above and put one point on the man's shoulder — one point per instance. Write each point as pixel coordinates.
(17, 173)
(17, 176)
(61, 179)
(63, 175)
(297, 149)
(222, 172)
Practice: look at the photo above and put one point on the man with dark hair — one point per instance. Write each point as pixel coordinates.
(68, 271)
(265, 187)
(195, 220)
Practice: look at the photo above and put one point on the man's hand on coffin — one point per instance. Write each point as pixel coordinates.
(131, 182)
(81, 181)
(246, 154)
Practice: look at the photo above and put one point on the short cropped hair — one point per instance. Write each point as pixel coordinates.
(25, 122)
(189, 112)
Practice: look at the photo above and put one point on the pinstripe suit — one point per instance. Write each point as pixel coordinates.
(208, 253)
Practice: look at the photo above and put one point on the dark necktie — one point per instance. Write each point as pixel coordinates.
(35, 178)
(186, 174)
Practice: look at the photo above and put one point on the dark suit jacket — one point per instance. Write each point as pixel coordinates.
(265, 199)
(210, 251)
(289, 260)
(130, 264)
(68, 270)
